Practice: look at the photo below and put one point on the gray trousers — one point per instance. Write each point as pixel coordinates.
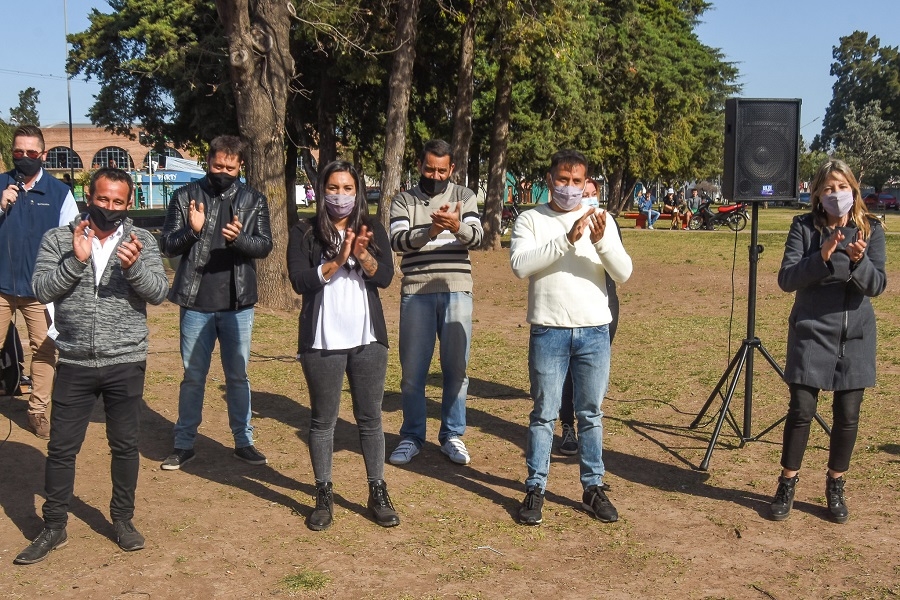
(324, 370)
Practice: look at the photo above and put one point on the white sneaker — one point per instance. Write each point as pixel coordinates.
(649, 226)
(404, 452)
(456, 450)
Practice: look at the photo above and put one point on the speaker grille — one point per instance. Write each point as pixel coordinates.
(761, 149)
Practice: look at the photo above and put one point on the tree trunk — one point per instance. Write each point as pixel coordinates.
(400, 84)
(493, 204)
(475, 168)
(465, 91)
(290, 183)
(326, 120)
(261, 67)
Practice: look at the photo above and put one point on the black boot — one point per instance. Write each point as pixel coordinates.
(834, 494)
(784, 497)
(321, 517)
(380, 505)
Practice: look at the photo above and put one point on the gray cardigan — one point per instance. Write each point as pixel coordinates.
(106, 324)
(831, 330)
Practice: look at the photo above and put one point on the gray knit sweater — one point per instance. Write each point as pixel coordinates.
(441, 264)
(106, 324)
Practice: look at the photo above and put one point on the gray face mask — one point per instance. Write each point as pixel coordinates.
(839, 203)
(339, 206)
(567, 197)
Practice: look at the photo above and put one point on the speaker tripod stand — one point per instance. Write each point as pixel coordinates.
(743, 359)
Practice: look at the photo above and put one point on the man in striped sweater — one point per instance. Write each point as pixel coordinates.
(433, 225)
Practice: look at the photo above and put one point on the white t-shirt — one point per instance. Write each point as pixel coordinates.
(344, 319)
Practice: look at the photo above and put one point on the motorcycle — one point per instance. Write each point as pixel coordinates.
(733, 215)
(509, 215)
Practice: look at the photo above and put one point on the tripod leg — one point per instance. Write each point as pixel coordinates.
(780, 372)
(718, 389)
(739, 360)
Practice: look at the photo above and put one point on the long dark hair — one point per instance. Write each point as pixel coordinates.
(325, 231)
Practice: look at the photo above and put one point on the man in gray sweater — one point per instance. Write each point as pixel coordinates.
(434, 225)
(100, 272)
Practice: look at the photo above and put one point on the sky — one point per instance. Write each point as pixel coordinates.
(782, 49)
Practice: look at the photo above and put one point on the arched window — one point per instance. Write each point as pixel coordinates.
(156, 157)
(112, 156)
(61, 157)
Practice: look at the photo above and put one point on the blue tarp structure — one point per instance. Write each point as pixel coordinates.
(154, 191)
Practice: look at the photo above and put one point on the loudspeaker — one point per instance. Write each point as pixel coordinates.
(762, 147)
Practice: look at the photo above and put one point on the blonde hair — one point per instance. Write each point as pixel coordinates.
(859, 214)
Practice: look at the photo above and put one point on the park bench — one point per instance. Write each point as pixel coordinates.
(640, 219)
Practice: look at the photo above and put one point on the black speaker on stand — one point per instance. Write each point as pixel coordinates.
(762, 147)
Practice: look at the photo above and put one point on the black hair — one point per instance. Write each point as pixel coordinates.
(438, 148)
(112, 174)
(229, 145)
(325, 231)
(567, 158)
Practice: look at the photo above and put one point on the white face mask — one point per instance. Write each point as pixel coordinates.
(839, 203)
(567, 197)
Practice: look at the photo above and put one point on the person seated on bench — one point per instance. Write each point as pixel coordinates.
(675, 207)
(645, 207)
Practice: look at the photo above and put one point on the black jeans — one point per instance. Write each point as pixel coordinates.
(801, 411)
(75, 391)
(324, 370)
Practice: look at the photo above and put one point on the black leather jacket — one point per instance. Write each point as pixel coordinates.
(178, 239)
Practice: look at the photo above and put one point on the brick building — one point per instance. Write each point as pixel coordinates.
(94, 148)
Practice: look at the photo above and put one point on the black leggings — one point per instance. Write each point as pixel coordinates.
(802, 410)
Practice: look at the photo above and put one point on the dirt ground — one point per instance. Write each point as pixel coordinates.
(223, 529)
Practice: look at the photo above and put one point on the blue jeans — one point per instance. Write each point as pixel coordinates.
(447, 315)
(199, 332)
(584, 351)
(652, 216)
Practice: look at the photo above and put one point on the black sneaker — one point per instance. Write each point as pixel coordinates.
(569, 444)
(177, 459)
(531, 511)
(321, 517)
(47, 540)
(834, 494)
(250, 455)
(594, 501)
(784, 497)
(128, 538)
(380, 505)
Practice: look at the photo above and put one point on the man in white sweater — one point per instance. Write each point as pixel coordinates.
(565, 249)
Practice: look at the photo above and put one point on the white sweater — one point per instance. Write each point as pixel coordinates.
(566, 282)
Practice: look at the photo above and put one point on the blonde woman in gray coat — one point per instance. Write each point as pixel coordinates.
(834, 260)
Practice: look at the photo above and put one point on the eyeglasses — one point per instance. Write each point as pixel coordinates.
(29, 153)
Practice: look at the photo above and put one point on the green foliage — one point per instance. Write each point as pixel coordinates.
(6, 131)
(26, 112)
(160, 63)
(869, 143)
(865, 72)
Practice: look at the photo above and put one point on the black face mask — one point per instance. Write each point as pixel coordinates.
(220, 182)
(104, 219)
(28, 166)
(433, 187)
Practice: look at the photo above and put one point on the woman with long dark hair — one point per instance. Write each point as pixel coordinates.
(834, 260)
(337, 261)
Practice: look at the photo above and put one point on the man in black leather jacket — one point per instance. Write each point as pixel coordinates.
(218, 227)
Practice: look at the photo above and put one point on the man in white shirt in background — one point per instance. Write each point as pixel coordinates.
(565, 250)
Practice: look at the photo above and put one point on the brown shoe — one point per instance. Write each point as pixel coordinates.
(39, 425)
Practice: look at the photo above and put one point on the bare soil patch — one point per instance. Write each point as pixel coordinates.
(223, 529)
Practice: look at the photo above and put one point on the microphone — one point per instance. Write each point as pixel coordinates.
(20, 181)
